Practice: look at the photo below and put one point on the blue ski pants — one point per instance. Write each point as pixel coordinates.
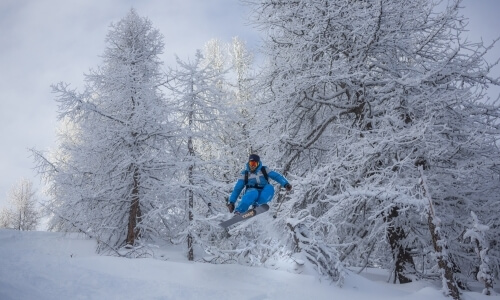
(254, 196)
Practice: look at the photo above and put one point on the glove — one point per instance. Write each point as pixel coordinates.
(230, 207)
(288, 187)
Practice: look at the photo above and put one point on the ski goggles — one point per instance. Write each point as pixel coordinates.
(253, 163)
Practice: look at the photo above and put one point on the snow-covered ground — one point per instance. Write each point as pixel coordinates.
(43, 265)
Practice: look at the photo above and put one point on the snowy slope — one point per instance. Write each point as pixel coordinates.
(42, 265)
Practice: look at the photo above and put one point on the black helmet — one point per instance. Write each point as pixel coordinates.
(254, 157)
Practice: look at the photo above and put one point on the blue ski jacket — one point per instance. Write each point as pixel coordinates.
(256, 180)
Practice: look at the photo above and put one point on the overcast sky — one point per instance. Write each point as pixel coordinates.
(43, 42)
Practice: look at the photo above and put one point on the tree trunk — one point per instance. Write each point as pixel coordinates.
(401, 254)
(443, 260)
(190, 202)
(190, 216)
(135, 212)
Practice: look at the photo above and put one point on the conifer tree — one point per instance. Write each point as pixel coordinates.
(22, 212)
(107, 177)
(201, 110)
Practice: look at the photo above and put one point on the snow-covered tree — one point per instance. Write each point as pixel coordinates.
(236, 138)
(477, 235)
(108, 176)
(215, 55)
(201, 109)
(236, 62)
(245, 96)
(362, 93)
(22, 212)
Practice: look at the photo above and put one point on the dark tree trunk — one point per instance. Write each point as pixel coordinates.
(401, 254)
(438, 243)
(443, 261)
(133, 232)
(190, 216)
(190, 199)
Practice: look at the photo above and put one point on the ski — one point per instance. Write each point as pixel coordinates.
(245, 216)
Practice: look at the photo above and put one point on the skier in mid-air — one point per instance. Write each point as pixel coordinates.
(255, 179)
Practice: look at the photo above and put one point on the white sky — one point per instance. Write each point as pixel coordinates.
(43, 42)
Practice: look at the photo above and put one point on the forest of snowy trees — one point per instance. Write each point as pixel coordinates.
(376, 111)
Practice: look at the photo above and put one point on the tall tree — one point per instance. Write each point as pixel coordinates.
(22, 212)
(108, 176)
(362, 93)
(236, 62)
(201, 110)
(240, 88)
(245, 96)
